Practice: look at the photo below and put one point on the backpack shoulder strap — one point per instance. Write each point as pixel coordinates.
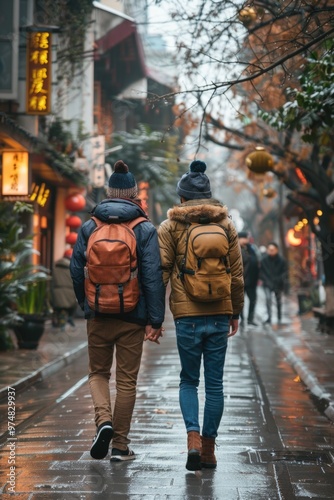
(97, 221)
(227, 232)
(133, 223)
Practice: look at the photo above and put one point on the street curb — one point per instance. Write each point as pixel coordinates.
(46, 370)
(308, 378)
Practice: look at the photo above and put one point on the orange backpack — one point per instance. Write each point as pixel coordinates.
(111, 271)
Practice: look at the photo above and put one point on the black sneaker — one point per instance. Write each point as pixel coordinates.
(101, 441)
(122, 455)
(252, 323)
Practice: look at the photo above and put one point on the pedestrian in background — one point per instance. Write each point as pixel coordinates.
(251, 265)
(199, 227)
(63, 300)
(273, 274)
(122, 332)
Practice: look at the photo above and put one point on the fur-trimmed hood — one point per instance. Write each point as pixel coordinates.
(198, 211)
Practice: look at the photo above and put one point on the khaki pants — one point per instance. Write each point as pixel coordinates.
(105, 335)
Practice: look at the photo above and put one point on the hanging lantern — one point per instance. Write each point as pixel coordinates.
(259, 161)
(73, 221)
(68, 253)
(292, 239)
(75, 202)
(247, 16)
(15, 173)
(71, 238)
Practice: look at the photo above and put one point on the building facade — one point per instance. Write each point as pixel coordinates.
(64, 90)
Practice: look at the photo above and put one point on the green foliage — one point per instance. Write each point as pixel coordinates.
(59, 136)
(150, 157)
(16, 270)
(310, 110)
(73, 18)
(33, 300)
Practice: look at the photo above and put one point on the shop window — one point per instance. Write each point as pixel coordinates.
(9, 37)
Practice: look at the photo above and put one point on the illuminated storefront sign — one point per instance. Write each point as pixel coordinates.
(39, 73)
(15, 173)
(39, 194)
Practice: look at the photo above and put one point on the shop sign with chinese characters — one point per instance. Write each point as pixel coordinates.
(39, 73)
(98, 160)
(15, 173)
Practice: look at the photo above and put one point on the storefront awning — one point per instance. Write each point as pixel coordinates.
(119, 58)
(45, 161)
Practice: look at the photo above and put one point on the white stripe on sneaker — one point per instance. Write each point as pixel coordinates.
(101, 442)
(118, 456)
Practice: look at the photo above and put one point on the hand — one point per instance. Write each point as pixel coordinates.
(234, 325)
(153, 334)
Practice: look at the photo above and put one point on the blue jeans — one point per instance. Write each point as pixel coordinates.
(199, 336)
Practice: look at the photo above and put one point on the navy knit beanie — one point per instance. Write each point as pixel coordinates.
(194, 184)
(122, 183)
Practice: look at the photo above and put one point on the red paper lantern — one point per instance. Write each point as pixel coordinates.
(71, 238)
(68, 253)
(73, 221)
(75, 202)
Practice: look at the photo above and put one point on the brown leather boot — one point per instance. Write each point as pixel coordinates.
(194, 451)
(208, 458)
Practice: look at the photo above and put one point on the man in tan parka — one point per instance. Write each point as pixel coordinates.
(202, 328)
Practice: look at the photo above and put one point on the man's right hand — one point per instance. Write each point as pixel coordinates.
(153, 334)
(234, 325)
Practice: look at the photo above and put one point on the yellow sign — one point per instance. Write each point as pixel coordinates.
(15, 174)
(40, 194)
(39, 73)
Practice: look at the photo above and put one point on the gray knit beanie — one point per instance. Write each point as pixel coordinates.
(122, 183)
(194, 184)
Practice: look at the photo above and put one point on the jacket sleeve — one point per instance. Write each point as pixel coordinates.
(167, 250)
(151, 273)
(237, 285)
(78, 262)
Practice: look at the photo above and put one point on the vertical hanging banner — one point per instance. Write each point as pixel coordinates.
(38, 94)
(98, 159)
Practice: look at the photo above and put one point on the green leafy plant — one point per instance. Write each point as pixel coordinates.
(310, 109)
(34, 299)
(151, 157)
(16, 269)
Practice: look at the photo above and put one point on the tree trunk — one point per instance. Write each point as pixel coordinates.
(281, 228)
(327, 247)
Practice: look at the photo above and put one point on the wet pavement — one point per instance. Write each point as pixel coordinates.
(274, 441)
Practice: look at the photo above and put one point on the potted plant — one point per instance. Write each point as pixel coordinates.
(16, 269)
(32, 309)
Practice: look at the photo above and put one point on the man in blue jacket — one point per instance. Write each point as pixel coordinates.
(125, 332)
